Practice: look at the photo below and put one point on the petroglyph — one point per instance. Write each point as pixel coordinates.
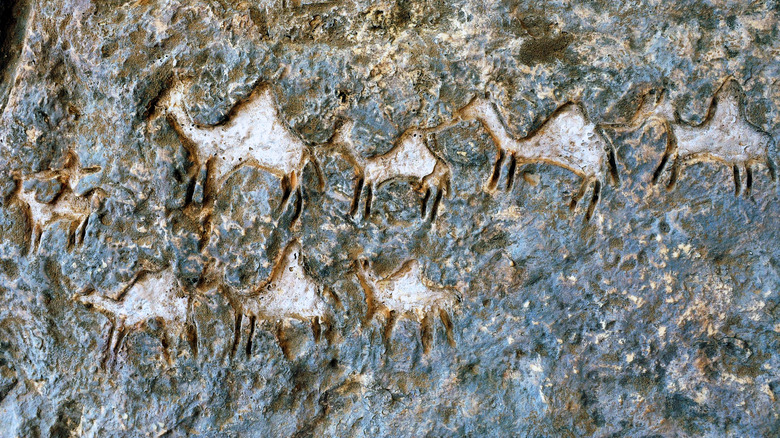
(50, 196)
(566, 139)
(149, 296)
(725, 135)
(411, 157)
(407, 292)
(289, 293)
(254, 134)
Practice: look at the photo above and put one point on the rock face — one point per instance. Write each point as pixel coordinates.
(346, 218)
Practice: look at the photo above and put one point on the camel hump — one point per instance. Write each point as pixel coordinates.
(727, 103)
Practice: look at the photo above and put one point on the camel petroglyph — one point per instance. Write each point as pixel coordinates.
(289, 293)
(407, 292)
(410, 157)
(725, 136)
(566, 139)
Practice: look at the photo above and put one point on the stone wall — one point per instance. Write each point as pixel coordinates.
(410, 218)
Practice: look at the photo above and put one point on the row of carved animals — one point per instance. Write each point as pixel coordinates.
(288, 293)
(257, 135)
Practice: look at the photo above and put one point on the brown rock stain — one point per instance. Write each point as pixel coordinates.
(545, 49)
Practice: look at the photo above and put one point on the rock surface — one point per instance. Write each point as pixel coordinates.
(353, 253)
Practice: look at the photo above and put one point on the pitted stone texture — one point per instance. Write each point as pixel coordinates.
(658, 317)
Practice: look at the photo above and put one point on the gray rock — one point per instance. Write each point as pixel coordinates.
(506, 312)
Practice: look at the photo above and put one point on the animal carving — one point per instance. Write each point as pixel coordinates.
(725, 136)
(50, 196)
(411, 157)
(149, 296)
(407, 292)
(255, 134)
(566, 139)
(289, 293)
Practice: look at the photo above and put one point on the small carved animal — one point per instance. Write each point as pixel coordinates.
(50, 196)
(566, 139)
(254, 134)
(289, 293)
(149, 296)
(725, 136)
(407, 292)
(411, 157)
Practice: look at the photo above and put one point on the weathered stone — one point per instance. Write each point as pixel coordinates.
(347, 218)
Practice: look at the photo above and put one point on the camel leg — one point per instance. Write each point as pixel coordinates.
(316, 328)
(35, 238)
(737, 181)
(371, 306)
(660, 168)
(192, 337)
(287, 189)
(236, 334)
(675, 173)
(748, 179)
(424, 206)
(580, 193)
(369, 200)
(107, 352)
(318, 171)
(594, 200)
(671, 149)
(81, 231)
(282, 340)
(199, 183)
(251, 336)
(190, 328)
(510, 174)
(207, 226)
(445, 319)
(613, 168)
(389, 325)
(117, 340)
(356, 197)
(298, 206)
(436, 203)
(426, 333)
(165, 342)
(496, 170)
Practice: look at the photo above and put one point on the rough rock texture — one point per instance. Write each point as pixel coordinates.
(407, 268)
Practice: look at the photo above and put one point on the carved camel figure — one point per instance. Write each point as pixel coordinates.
(566, 139)
(407, 292)
(725, 135)
(254, 134)
(61, 203)
(289, 293)
(410, 157)
(149, 296)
